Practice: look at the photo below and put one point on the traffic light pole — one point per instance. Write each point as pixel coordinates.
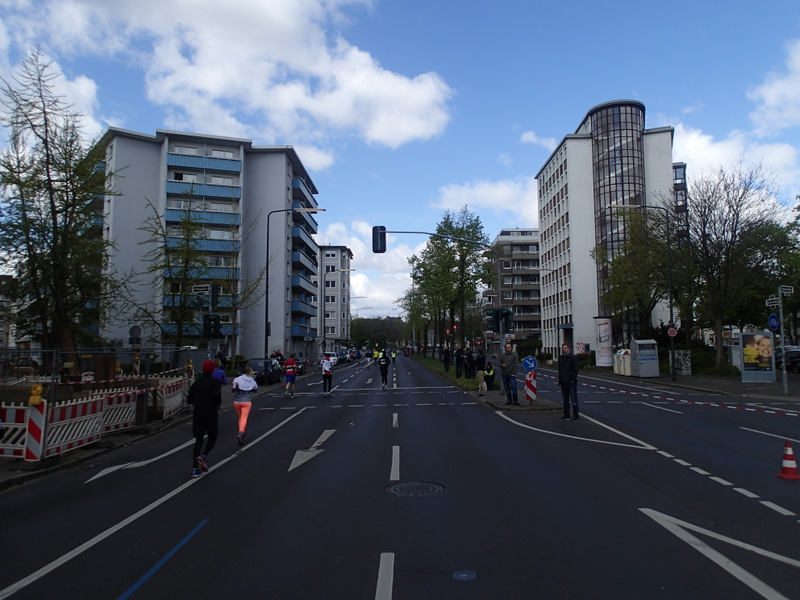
(379, 246)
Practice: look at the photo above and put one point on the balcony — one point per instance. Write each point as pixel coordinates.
(204, 162)
(304, 260)
(300, 282)
(206, 190)
(304, 308)
(301, 234)
(205, 217)
(301, 193)
(208, 245)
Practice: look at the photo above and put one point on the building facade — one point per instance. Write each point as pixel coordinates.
(233, 200)
(334, 298)
(518, 251)
(610, 161)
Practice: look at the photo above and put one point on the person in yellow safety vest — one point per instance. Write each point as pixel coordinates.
(394, 356)
(488, 376)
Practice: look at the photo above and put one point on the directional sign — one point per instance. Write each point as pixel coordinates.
(787, 290)
(773, 322)
(204, 289)
(529, 363)
(772, 301)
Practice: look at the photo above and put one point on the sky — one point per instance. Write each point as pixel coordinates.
(401, 110)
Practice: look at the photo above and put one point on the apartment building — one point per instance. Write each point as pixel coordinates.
(250, 210)
(518, 251)
(610, 161)
(334, 298)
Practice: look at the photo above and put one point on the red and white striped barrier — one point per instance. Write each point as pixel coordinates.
(73, 424)
(36, 425)
(530, 386)
(14, 430)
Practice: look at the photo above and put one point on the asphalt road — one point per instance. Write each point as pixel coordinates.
(420, 491)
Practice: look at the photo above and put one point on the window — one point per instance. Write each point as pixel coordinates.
(344, 299)
(330, 299)
(506, 279)
(330, 284)
(220, 234)
(330, 329)
(330, 268)
(188, 177)
(344, 315)
(506, 264)
(217, 180)
(330, 254)
(222, 153)
(188, 150)
(329, 314)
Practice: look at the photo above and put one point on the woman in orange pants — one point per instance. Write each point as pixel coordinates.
(243, 387)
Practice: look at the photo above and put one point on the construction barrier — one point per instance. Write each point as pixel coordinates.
(43, 429)
(530, 386)
(788, 465)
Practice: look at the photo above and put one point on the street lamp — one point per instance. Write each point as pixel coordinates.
(266, 278)
(325, 287)
(671, 331)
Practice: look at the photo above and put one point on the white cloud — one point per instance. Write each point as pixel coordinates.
(530, 137)
(228, 63)
(516, 199)
(778, 98)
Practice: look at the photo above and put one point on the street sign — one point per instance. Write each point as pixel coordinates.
(672, 332)
(773, 322)
(202, 290)
(787, 290)
(529, 363)
(772, 301)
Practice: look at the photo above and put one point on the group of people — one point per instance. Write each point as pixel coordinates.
(205, 396)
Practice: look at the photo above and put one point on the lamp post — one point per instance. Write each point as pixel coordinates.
(324, 288)
(671, 330)
(267, 328)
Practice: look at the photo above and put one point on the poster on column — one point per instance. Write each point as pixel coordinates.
(604, 356)
(758, 360)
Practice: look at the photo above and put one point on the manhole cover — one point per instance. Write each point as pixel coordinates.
(464, 575)
(414, 488)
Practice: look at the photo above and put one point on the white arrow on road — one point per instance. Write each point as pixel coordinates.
(302, 456)
(141, 463)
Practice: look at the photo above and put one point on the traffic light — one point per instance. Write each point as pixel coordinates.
(207, 326)
(505, 314)
(215, 290)
(379, 239)
(493, 316)
(216, 328)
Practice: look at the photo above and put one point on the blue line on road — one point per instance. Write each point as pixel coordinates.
(161, 563)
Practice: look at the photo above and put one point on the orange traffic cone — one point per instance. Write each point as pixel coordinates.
(789, 467)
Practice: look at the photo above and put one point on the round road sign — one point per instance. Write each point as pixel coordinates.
(773, 322)
(529, 363)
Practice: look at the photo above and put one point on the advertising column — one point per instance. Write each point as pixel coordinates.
(603, 356)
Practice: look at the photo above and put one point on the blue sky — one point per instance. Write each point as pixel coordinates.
(402, 109)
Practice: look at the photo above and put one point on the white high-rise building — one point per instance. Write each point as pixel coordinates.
(611, 160)
(234, 192)
(334, 298)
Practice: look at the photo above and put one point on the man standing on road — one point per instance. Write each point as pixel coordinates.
(508, 371)
(568, 380)
(206, 397)
(383, 363)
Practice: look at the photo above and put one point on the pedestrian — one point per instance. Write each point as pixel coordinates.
(488, 376)
(219, 372)
(394, 355)
(243, 387)
(508, 371)
(469, 364)
(446, 358)
(206, 397)
(290, 373)
(480, 373)
(568, 380)
(327, 374)
(459, 356)
(383, 363)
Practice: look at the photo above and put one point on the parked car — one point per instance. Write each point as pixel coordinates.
(792, 360)
(275, 374)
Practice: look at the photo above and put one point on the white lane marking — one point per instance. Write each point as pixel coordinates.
(383, 591)
(720, 480)
(640, 444)
(394, 420)
(65, 558)
(780, 437)
(677, 412)
(394, 474)
(303, 456)
(679, 529)
(745, 492)
(778, 509)
(700, 471)
(136, 465)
